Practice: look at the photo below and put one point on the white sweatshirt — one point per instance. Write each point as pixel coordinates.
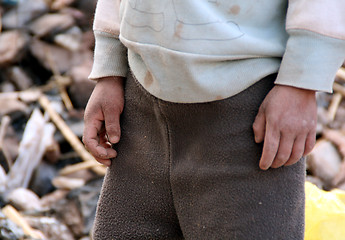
(205, 50)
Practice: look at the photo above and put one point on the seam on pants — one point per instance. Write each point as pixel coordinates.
(169, 154)
(161, 103)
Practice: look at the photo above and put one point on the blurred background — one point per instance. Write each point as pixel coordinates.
(49, 184)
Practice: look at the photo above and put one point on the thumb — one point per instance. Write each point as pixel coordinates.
(112, 124)
(259, 127)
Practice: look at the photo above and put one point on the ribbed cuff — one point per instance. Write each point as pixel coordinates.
(311, 61)
(110, 57)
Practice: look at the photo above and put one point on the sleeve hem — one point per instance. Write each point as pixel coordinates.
(311, 61)
(110, 57)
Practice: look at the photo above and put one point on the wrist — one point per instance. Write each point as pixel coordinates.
(110, 78)
(111, 81)
(297, 89)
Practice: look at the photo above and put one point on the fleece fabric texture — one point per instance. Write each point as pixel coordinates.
(190, 171)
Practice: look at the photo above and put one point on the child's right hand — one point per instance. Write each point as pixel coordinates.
(102, 118)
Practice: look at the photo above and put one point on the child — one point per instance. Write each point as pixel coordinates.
(203, 75)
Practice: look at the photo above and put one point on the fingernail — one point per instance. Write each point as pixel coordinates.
(114, 139)
(263, 167)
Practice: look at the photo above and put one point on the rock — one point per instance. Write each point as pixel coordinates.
(87, 7)
(52, 228)
(85, 238)
(9, 230)
(75, 13)
(70, 39)
(53, 152)
(68, 183)
(24, 200)
(85, 89)
(20, 78)
(339, 179)
(3, 179)
(86, 198)
(56, 57)
(7, 87)
(324, 162)
(316, 181)
(37, 134)
(88, 41)
(341, 186)
(322, 116)
(1, 10)
(51, 198)
(61, 4)
(82, 57)
(80, 73)
(8, 106)
(51, 24)
(25, 11)
(12, 44)
(81, 87)
(10, 145)
(41, 182)
(77, 127)
(84, 174)
(82, 203)
(68, 212)
(51, 56)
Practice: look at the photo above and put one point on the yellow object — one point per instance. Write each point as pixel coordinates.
(325, 214)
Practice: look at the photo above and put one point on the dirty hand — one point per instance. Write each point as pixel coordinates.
(286, 123)
(102, 118)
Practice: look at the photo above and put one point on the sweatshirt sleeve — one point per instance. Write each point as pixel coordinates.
(316, 45)
(110, 55)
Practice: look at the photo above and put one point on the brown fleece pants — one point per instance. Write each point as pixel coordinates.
(190, 171)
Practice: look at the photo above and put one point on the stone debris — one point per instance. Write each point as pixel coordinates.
(49, 183)
(46, 53)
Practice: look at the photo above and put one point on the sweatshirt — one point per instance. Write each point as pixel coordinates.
(191, 51)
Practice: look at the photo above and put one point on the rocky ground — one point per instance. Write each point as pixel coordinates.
(49, 184)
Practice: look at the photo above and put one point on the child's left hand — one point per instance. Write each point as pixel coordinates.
(286, 123)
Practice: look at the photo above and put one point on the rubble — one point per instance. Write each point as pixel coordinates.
(24, 200)
(49, 183)
(9, 230)
(25, 11)
(52, 23)
(46, 52)
(324, 162)
(52, 228)
(12, 44)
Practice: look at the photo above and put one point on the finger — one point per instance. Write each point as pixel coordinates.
(310, 142)
(94, 139)
(112, 124)
(270, 147)
(106, 162)
(259, 126)
(297, 150)
(286, 144)
(104, 147)
(110, 152)
(103, 139)
(91, 137)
